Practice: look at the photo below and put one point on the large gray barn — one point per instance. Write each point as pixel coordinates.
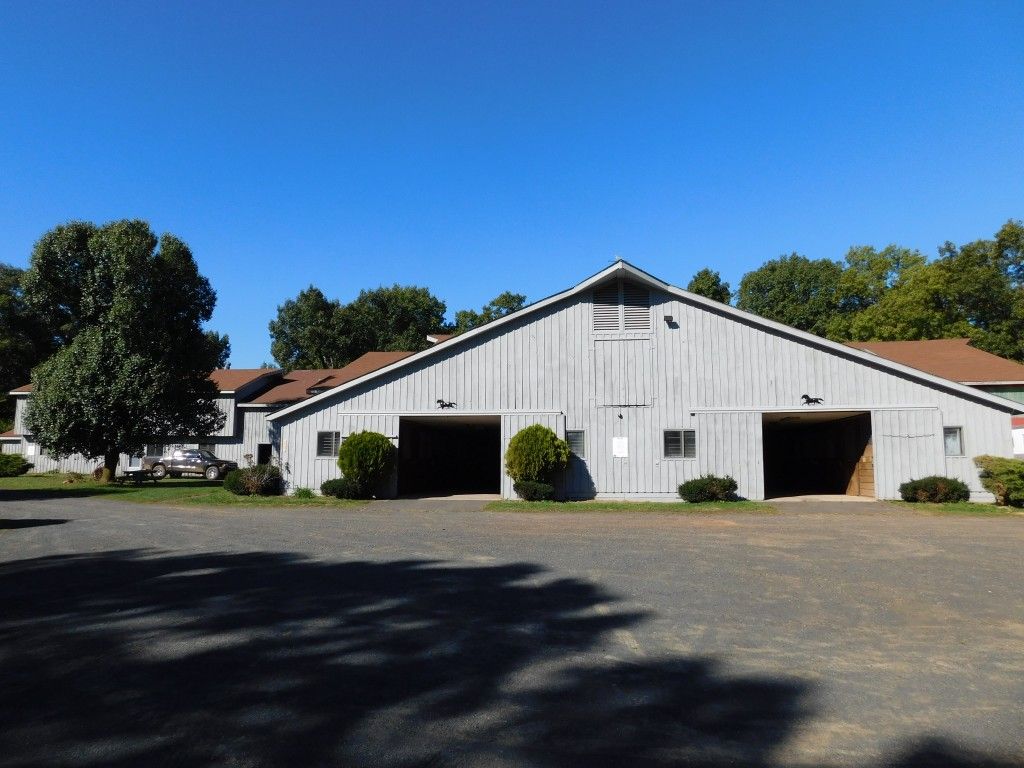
(652, 385)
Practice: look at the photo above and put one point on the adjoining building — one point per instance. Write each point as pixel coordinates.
(245, 395)
(240, 434)
(652, 385)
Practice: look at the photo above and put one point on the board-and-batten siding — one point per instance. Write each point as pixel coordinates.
(907, 444)
(706, 371)
(297, 445)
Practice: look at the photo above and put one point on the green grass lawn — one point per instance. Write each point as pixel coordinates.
(181, 492)
(962, 508)
(669, 507)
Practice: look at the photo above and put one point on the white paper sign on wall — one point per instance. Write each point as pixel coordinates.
(620, 447)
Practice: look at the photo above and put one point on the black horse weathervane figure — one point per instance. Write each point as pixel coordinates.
(808, 400)
(445, 404)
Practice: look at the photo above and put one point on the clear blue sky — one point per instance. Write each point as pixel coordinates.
(477, 147)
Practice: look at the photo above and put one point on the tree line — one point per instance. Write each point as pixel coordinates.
(974, 290)
(109, 321)
(312, 331)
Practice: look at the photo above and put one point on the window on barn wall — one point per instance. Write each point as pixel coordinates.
(953, 437)
(327, 443)
(621, 306)
(680, 444)
(577, 444)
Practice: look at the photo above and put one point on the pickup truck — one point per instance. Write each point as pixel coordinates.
(188, 461)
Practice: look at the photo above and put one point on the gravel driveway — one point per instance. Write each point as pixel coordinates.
(847, 635)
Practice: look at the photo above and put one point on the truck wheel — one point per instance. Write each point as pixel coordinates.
(212, 473)
(159, 471)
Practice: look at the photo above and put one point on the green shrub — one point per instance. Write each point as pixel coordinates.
(257, 480)
(535, 453)
(12, 465)
(341, 488)
(366, 459)
(1003, 478)
(532, 490)
(304, 493)
(935, 489)
(233, 483)
(708, 488)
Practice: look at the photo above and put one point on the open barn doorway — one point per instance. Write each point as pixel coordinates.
(818, 452)
(449, 455)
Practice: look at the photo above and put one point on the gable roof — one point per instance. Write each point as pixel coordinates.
(228, 380)
(953, 359)
(302, 384)
(624, 270)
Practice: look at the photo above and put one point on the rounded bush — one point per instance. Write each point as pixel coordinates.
(935, 490)
(341, 488)
(233, 483)
(366, 459)
(1003, 478)
(535, 453)
(708, 488)
(531, 490)
(12, 465)
(304, 493)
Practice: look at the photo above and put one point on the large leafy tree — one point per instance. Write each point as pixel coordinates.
(24, 339)
(395, 318)
(868, 276)
(312, 331)
(504, 304)
(973, 290)
(709, 284)
(793, 290)
(136, 360)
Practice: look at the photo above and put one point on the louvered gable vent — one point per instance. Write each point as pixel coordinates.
(606, 308)
(622, 306)
(636, 307)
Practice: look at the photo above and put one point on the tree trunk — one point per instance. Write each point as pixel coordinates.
(110, 466)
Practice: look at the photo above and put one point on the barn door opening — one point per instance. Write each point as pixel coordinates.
(449, 455)
(818, 452)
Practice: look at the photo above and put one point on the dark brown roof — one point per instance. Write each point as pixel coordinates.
(8, 434)
(953, 359)
(226, 379)
(300, 384)
(232, 379)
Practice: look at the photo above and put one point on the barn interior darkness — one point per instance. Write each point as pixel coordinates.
(818, 453)
(449, 455)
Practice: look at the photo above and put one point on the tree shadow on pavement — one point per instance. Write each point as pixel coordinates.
(28, 522)
(264, 659)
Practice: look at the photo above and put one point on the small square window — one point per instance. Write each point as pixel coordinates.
(953, 439)
(577, 444)
(327, 443)
(680, 444)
